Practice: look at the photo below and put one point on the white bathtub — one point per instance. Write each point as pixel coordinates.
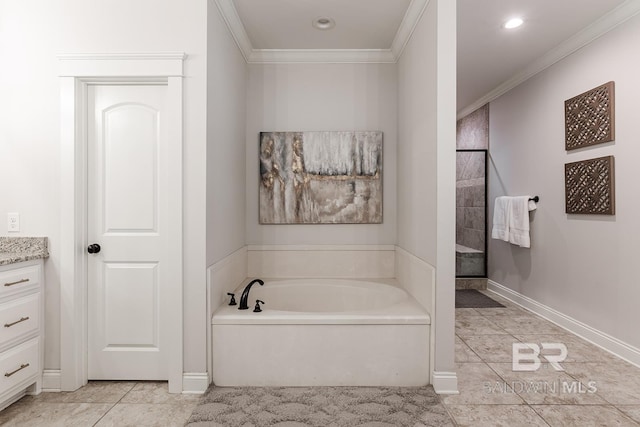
(322, 332)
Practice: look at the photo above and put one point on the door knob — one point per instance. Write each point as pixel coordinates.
(93, 248)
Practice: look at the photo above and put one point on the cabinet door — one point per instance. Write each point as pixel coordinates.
(19, 318)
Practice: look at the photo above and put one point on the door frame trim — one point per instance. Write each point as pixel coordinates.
(76, 72)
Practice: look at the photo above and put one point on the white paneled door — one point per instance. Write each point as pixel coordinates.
(129, 230)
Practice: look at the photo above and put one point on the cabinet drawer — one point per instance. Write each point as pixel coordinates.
(15, 280)
(19, 317)
(18, 364)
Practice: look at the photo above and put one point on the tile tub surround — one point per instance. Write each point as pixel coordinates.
(19, 249)
(338, 261)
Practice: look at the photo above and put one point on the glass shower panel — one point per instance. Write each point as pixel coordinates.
(471, 213)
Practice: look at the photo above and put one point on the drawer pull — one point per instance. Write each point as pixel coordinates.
(24, 365)
(22, 319)
(16, 282)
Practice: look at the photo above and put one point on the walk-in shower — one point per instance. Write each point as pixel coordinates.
(471, 213)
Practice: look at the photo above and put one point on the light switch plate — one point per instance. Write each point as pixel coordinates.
(13, 221)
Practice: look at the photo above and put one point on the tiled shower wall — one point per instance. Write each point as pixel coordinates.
(470, 195)
(473, 130)
(472, 133)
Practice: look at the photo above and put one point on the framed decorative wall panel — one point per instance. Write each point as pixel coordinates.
(590, 186)
(320, 178)
(590, 117)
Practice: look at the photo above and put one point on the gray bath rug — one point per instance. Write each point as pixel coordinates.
(320, 407)
(471, 298)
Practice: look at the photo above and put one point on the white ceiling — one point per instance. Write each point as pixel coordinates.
(286, 24)
(489, 57)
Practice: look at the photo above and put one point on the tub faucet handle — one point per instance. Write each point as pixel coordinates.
(233, 298)
(257, 308)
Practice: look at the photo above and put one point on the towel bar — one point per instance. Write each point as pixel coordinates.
(535, 199)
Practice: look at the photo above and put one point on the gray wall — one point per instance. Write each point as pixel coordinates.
(226, 118)
(584, 266)
(316, 97)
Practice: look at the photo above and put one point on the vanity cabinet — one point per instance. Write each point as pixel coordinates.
(21, 330)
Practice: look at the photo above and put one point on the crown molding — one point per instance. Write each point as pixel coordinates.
(606, 23)
(292, 56)
(236, 27)
(289, 56)
(407, 26)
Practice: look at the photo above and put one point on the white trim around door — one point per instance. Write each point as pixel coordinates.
(77, 71)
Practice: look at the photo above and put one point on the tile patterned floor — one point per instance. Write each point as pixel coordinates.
(491, 393)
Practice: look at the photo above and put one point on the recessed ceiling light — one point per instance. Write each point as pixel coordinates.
(513, 23)
(324, 23)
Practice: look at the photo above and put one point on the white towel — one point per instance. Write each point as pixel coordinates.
(501, 211)
(519, 221)
(511, 219)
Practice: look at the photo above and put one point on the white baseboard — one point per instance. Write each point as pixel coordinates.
(195, 382)
(611, 344)
(192, 383)
(445, 382)
(51, 380)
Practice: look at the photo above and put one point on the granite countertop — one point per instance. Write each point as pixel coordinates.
(19, 249)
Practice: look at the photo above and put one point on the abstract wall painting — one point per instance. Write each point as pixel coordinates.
(590, 117)
(590, 186)
(320, 177)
